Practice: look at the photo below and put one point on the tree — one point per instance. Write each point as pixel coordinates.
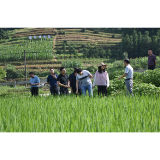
(135, 43)
(139, 47)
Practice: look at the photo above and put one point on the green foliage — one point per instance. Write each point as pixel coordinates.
(12, 73)
(151, 76)
(2, 73)
(145, 89)
(42, 48)
(72, 64)
(92, 69)
(79, 114)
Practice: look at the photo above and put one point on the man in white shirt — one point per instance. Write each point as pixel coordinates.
(86, 83)
(129, 76)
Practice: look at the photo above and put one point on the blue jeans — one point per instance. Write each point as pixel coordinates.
(85, 88)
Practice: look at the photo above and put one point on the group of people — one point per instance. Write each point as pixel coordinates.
(80, 80)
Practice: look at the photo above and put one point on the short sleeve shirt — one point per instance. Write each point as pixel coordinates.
(52, 80)
(129, 71)
(84, 78)
(63, 79)
(151, 60)
(34, 80)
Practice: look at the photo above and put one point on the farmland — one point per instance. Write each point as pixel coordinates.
(71, 114)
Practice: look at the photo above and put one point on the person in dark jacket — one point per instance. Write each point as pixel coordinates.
(63, 82)
(52, 80)
(72, 79)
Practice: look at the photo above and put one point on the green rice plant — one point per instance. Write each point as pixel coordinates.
(79, 114)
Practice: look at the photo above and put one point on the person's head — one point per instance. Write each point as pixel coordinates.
(126, 62)
(52, 71)
(150, 52)
(79, 71)
(75, 69)
(102, 67)
(31, 74)
(62, 70)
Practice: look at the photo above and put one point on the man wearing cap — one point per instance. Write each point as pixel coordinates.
(101, 79)
(151, 60)
(129, 76)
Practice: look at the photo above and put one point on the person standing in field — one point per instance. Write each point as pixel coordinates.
(72, 79)
(151, 60)
(84, 77)
(129, 76)
(52, 80)
(63, 82)
(101, 79)
(34, 83)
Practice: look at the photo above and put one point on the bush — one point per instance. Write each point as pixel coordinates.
(116, 86)
(96, 31)
(11, 72)
(113, 36)
(151, 76)
(2, 73)
(92, 69)
(144, 88)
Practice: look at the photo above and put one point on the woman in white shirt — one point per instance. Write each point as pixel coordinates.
(101, 79)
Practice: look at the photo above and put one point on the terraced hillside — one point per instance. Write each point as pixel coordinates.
(88, 38)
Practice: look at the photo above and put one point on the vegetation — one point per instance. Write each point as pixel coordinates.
(81, 114)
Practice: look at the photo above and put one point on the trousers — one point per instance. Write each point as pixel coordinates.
(34, 91)
(85, 88)
(129, 86)
(102, 90)
(64, 91)
(54, 90)
(151, 67)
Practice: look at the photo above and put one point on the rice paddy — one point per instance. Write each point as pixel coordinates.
(79, 114)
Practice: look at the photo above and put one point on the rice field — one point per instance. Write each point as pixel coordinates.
(79, 114)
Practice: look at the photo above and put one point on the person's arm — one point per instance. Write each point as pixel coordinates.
(38, 82)
(31, 84)
(155, 62)
(68, 83)
(77, 82)
(54, 76)
(94, 82)
(123, 75)
(61, 85)
(107, 80)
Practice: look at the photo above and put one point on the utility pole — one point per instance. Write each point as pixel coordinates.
(25, 66)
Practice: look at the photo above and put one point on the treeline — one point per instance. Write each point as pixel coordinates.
(137, 44)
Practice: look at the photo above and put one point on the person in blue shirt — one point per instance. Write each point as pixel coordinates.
(34, 83)
(52, 80)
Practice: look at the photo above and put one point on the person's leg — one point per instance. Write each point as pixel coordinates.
(36, 91)
(32, 91)
(83, 90)
(129, 85)
(51, 90)
(104, 90)
(149, 67)
(153, 67)
(55, 91)
(89, 88)
(99, 90)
